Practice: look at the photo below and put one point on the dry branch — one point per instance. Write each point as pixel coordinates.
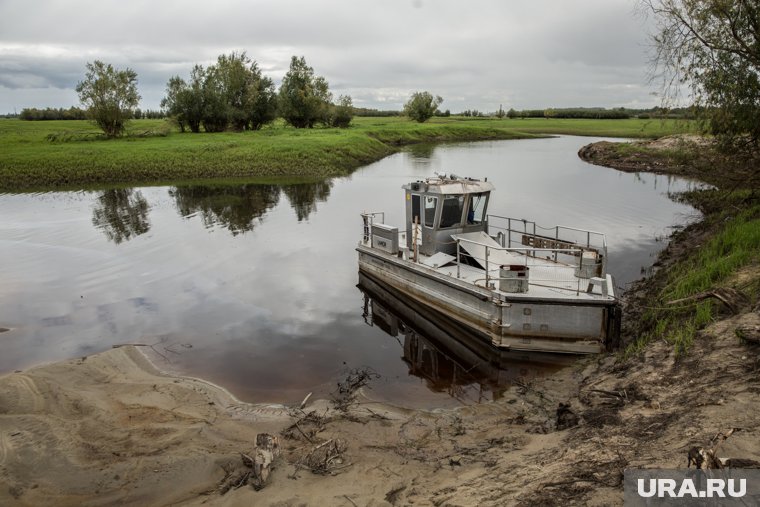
(732, 298)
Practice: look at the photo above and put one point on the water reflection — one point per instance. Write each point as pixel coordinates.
(449, 358)
(304, 197)
(121, 213)
(422, 151)
(237, 208)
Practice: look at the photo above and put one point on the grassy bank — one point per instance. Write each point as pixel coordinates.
(65, 154)
(712, 268)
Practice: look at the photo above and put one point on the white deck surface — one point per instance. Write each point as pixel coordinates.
(546, 278)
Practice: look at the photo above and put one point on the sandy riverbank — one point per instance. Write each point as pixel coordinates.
(111, 429)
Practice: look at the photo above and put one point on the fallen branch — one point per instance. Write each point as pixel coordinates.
(732, 298)
(324, 458)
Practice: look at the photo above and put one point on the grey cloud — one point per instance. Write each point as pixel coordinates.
(525, 54)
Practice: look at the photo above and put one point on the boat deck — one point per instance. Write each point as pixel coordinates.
(548, 279)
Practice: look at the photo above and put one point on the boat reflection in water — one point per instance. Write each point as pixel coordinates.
(449, 357)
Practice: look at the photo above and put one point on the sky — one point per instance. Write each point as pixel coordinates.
(476, 54)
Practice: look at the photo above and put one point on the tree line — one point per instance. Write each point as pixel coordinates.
(231, 94)
(234, 94)
(77, 113)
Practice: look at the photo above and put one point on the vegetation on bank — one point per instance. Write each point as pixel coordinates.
(717, 258)
(731, 245)
(56, 154)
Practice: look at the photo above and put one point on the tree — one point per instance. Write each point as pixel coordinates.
(342, 113)
(713, 48)
(261, 99)
(110, 96)
(304, 98)
(422, 106)
(231, 93)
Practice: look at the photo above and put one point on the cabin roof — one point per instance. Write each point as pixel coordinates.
(451, 184)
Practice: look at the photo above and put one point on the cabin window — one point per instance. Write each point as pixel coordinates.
(430, 205)
(416, 214)
(451, 213)
(477, 209)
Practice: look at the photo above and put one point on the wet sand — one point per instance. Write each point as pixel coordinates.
(111, 429)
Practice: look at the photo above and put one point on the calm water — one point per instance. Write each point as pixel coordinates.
(255, 286)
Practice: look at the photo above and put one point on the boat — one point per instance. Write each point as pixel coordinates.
(519, 285)
(449, 357)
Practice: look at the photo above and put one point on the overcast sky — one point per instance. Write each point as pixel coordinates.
(476, 54)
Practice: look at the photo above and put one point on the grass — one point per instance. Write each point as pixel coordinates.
(733, 245)
(71, 154)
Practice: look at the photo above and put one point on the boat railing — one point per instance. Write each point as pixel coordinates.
(519, 232)
(575, 276)
(574, 255)
(369, 218)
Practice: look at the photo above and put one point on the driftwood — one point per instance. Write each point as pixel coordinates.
(748, 333)
(267, 449)
(257, 465)
(305, 401)
(345, 394)
(307, 426)
(325, 458)
(732, 298)
(707, 458)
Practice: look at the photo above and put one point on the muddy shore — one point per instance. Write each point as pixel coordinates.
(112, 429)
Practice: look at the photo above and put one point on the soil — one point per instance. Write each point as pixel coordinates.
(112, 429)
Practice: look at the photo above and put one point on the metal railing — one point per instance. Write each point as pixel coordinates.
(368, 219)
(550, 274)
(574, 253)
(522, 232)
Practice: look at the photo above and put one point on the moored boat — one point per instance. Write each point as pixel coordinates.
(521, 286)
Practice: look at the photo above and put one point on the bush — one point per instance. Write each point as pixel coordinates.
(422, 106)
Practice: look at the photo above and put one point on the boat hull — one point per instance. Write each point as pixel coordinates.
(564, 325)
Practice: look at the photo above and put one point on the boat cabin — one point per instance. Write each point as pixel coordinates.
(444, 206)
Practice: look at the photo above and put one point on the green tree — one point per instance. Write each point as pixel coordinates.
(231, 93)
(713, 48)
(171, 103)
(109, 95)
(342, 113)
(261, 99)
(422, 106)
(304, 98)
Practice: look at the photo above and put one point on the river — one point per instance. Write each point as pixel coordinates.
(253, 286)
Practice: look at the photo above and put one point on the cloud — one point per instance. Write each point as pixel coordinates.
(481, 54)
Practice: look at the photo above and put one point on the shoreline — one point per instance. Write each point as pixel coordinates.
(31, 161)
(127, 433)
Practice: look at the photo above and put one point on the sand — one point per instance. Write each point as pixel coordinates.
(112, 429)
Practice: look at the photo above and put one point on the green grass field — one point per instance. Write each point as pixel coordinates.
(71, 154)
